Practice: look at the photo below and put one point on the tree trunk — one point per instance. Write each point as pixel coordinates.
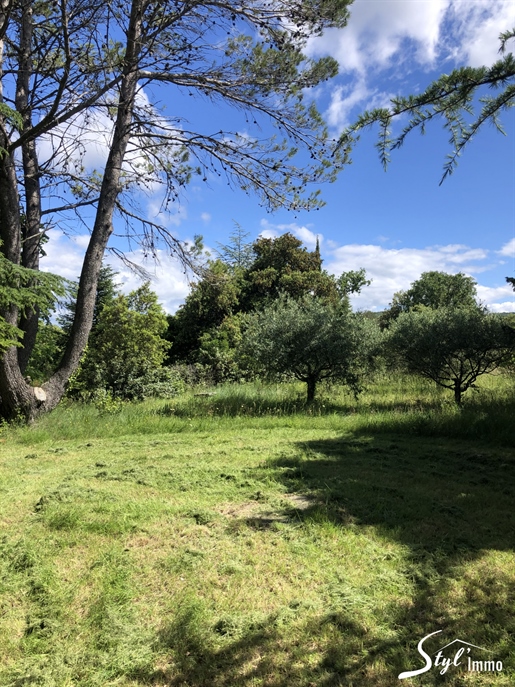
(31, 225)
(457, 393)
(311, 382)
(16, 395)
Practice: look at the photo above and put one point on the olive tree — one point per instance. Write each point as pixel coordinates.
(311, 341)
(452, 347)
(77, 71)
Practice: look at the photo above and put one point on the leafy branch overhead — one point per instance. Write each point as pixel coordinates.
(452, 98)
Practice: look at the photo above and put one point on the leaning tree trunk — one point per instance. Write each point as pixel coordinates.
(17, 396)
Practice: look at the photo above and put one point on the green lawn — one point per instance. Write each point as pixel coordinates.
(242, 539)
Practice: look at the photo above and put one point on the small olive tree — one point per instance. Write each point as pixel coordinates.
(310, 340)
(452, 347)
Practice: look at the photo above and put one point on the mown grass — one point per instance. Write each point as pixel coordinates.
(245, 539)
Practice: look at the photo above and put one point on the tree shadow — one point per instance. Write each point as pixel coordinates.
(352, 654)
(448, 504)
(435, 495)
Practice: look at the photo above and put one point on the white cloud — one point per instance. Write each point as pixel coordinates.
(82, 142)
(508, 249)
(304, 234)
(344, 98)
(166, 218)
(505, 306)
(393, 270)
(477, 26)
(383, 35)
(497, 299)
(269, 233)
(205, 217)
(379, 31)
(65, 256)
(390, 269)
(167, 277)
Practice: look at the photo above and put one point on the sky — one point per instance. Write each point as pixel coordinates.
(396, 224)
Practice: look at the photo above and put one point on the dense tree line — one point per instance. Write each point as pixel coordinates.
(126, 348)
(268, 309)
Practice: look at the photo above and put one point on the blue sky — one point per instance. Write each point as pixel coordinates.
(396, 224)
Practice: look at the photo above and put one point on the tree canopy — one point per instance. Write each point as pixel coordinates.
(126, 348)
(274, 267)
(73, 71)
(433, 290)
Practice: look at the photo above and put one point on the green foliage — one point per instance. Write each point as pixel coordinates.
(74, 60)
(352, 282)
(311, 341)
(433, 290)
(107, 290)
(451, 346)
(105, 402)
(127, 350)
(238, 284)
(25, 290)
(284, 254)
(12, 116)
(452, 98)
(283, 265)
(46, 353)
(219, 351)
(211, 300)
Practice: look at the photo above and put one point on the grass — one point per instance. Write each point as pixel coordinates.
(244, 539)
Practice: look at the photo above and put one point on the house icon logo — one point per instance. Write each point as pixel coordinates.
(456, 654)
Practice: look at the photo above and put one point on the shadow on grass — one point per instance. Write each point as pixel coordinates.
(337, 649)
(451, 504)
(483, 419)
(450, 507)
